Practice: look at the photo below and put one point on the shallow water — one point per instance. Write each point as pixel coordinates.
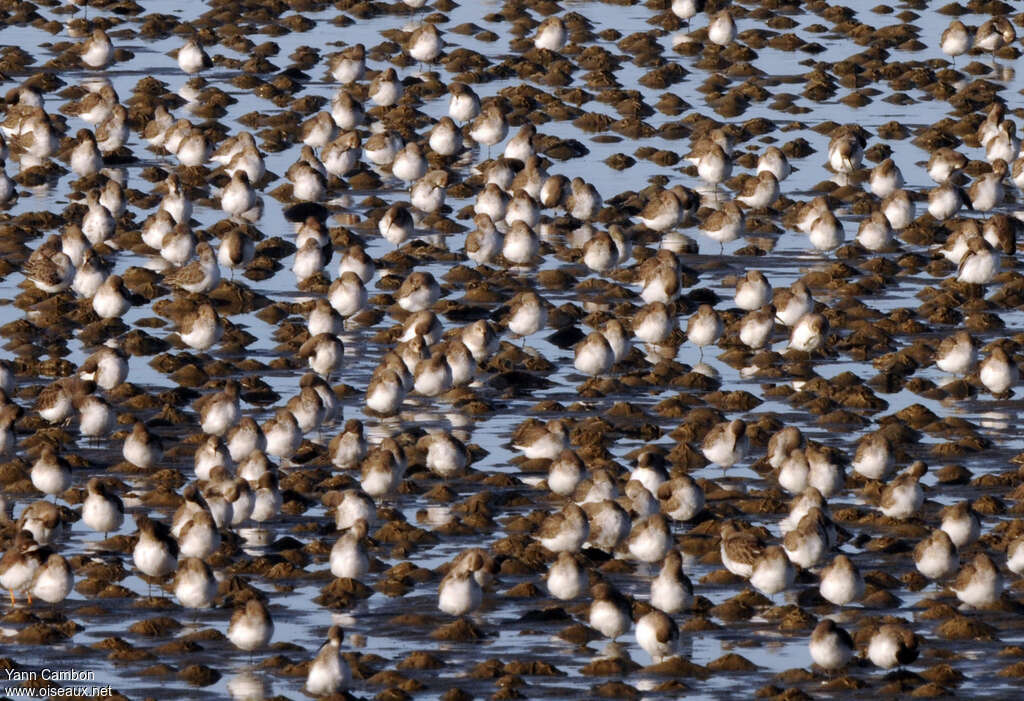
(514, 628)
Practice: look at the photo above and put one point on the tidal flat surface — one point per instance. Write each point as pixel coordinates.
(634, 90)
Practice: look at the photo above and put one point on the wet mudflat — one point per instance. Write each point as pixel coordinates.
(601, 212)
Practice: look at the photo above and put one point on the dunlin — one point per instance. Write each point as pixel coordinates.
(85, 156)
(459, 593)
(658, 635)
(97, 51)
(445, 138)
(43, 520)
(944, 164)
(893, 645)
(352, 506)
(385, 392)
(520, 148)
(550, 34)
(565, 530)
(156, 553)
(329, 672)
(792, 303)
(251, 627)
(726, 443)
(308, 409)
(662, 213)
(794, 472)
(642, 504)
(238, 196)
(282, 434)
(979, 582)
(722, 28)
(347, 295)
(609, 611)
(886, 178)
(936, 556)
(325, 354)
(650, 538)
(809, 333)
(545, 441)
(955, 39)
(53, 580)
(425, 43)
(609, 523)
(565, 473)
(704, 328)
(527, 314)
(753, 291)
(807, 544)
(979, 264)
(194, 584)
(782, 443)
(201, 275)
(993, 34)
(142, 448)
(756, 327)
(998, 372)
(381, 473)
(343, 154)
(961, 523)
(96, 418)
(92, 272)
(681, 497)
(348, 65)
(594, 355)
(348, 557)
(245, 438)
(463, 103)
(760, 191)
(774, 161)
(433, 376)
(725, 224)
(112, 299)
(198, 538)
(50, 473)
(19, 564)
(566, 580)
(429, 192)
(841, 581)
(831, 646)
(875, 233)
(349, 447)
(1001, 148)
(739, 549)
(945, 201)
(1015, 555)
(409, 163)
(419, 291)
(320, 129)
(520, 244)
(192, 58)
(671, 590)
(102, 510)
(956, 354)
(489, 127)
(772, 571)
(267, 499)
(845, 150)
(653, 323)
(447, 456)
(874, 457)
